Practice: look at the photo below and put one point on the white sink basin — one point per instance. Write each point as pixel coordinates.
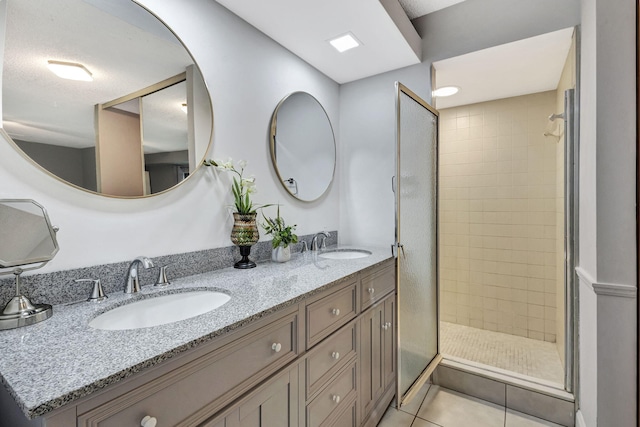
(159, 310)
(345, 254)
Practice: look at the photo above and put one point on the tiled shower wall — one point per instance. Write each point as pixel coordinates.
(498, 216)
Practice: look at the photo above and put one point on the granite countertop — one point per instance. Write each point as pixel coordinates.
(55, 362)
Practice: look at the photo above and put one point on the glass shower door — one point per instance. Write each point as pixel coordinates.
(416, 242)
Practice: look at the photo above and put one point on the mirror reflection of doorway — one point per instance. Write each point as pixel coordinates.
(505, 292)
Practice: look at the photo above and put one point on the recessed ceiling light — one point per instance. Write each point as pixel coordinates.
(70, 70)
(344, 42)
(445, 91)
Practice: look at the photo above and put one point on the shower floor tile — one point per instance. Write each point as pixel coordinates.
(525, 356)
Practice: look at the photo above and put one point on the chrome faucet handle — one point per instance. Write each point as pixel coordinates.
(97, 294)
(305, 247)
(324, 240)
(162, 276)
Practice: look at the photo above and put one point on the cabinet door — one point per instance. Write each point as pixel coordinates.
(372, 357)
(273, 404)
(389, 344)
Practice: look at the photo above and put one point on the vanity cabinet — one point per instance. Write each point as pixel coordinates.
(327, 360)
(378, 357)
(273, 404)
(193, 391)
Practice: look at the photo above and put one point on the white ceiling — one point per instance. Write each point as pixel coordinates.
(417, 8)
(526, 66)
(304, 27)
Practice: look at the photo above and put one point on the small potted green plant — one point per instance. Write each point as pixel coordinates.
(283, 237)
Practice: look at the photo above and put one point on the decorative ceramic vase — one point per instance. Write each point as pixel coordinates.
(281, 254)
(244, 234)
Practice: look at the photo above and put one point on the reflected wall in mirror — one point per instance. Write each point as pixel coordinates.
(303, 148)
(140, 126)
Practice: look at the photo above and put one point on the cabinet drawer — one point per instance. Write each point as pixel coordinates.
(347, 418)
(376, 285)
(329, 357)
(330, 313)
(191, 393)
(338, 394)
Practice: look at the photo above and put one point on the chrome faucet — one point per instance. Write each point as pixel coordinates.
(314, 241)
(133, 283)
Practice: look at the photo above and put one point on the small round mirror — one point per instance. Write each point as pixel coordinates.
(303, 148)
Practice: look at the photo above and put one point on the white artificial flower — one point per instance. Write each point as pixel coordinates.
(242, 164)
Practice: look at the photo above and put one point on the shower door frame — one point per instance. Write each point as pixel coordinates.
(404, 398)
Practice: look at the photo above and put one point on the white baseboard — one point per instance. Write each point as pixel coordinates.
(580, 420)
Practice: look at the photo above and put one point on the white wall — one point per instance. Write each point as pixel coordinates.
(368, 123)
(247, 75)
(607, 230)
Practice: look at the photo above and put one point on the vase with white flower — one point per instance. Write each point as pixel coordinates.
(283, 237)
(244, 233)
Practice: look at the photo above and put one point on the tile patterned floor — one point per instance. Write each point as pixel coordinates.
(525, 356)
(438, 407)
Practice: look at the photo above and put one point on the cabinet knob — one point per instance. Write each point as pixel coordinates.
(371, 290)
(276, 346)
(149, 421)
(384, 326)
(335, 355)
(336, 398)
(336, 312)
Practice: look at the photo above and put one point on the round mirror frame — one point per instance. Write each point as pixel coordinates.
(10, 140)
(272, 147)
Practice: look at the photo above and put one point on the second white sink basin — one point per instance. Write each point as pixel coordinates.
(159, 310)
(345, 254)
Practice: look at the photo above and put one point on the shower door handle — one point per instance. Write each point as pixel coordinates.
(400, 246)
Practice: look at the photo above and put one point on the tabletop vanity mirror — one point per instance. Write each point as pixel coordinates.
(303, 149)
(102, 95)
(28, 242)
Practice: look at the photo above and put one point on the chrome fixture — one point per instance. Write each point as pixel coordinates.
(555, 116)
(97, 294)
(133, 283)
(162, 276)
(314, 241)
(305, 247)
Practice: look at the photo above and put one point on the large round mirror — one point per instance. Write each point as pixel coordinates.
(303, 148)
(101, 94)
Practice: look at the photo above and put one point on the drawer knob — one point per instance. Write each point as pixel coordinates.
(276, 346)
(149, 421)
(336, 312)
(386, 325)
(336, 398)
(335, 355)
(371, 290)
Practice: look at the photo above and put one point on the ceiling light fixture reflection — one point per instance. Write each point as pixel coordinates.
(344, 42)
(70, 70)
(183, 107)
(445, 91)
